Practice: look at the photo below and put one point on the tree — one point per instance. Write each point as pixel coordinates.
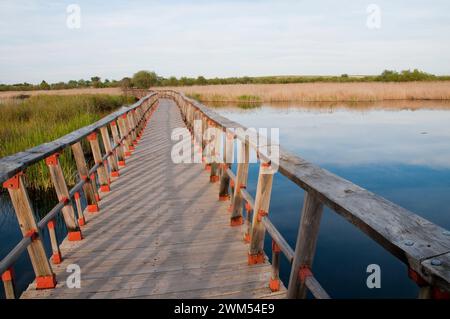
(201, 80)
(145, 79)
(44, 85)
(125, 84)
(96, 81)
(72, 84)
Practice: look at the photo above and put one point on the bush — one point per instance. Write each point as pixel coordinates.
(144, 79)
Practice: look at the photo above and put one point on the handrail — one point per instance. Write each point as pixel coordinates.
(12, 167)
(422, 245)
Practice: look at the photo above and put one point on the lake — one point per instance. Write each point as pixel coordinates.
(399, 150)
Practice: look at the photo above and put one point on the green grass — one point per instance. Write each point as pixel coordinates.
(44, 118)
(249, 98)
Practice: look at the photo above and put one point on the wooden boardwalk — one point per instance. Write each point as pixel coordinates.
(161, 233)
(164, 229)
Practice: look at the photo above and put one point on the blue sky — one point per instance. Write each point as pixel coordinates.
(220, 38)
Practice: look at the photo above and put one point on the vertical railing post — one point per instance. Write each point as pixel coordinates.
(131, 128)
(56, 174)
(274, 283)
(120, 148)
(306, 245)
(89, 188)
(228, 149)
(81, 218)
(8, 284)
(108, 148)
(45, 278)
(124, 132)
(102, 172)
(94, 182)
(216, 132)
(248, 229)
(241, 182)
(56, 253)
(261, 209)
(205, 141)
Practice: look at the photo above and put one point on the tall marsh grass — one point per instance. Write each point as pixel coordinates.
(40, 119)
(320, 92)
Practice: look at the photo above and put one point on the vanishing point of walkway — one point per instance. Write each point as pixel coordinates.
(161, 233)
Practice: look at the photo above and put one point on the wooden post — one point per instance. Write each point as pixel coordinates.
(274, 283)
(8, 284)
(108, 148)
(248, 229)
(228, 148)
(241, 182)
(214, 176)
(306, 244)
(101, 171)
(261, 209)
(56, 173)
(206, 150)
(45, 278)
(120, 147)
(94, 182)
(123, 127)
(56, 253)
(89, 188)
(131, 126)
(81, 218)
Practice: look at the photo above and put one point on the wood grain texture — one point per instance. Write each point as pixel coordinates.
(161, 233)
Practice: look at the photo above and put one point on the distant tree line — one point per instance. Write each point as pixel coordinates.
(147, 79)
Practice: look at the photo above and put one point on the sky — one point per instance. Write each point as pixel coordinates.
(42, 40)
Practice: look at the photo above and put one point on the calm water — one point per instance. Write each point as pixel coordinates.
(401, 152)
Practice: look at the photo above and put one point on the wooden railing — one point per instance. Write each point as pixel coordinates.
(423, 246)
(126, 126)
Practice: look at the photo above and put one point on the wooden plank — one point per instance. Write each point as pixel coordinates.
(108, 149)
(240, 183)
(305, 247)
(102, 171)
(83, 173)
(62, 192)
(262, 203)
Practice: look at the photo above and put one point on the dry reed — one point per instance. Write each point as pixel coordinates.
(320, 92)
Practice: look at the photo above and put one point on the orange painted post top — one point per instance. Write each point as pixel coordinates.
(92, 136)
(52, 160)
(13, 182)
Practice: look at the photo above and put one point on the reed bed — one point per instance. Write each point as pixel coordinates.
(109, 91)
(320, 92)
(44, 118)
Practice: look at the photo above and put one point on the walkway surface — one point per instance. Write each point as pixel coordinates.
(161, 233)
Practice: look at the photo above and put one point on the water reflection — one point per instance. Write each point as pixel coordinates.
(399, 150)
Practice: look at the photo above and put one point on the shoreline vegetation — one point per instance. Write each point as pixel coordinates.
(319, 92)
(39, 119)
(389, 85)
